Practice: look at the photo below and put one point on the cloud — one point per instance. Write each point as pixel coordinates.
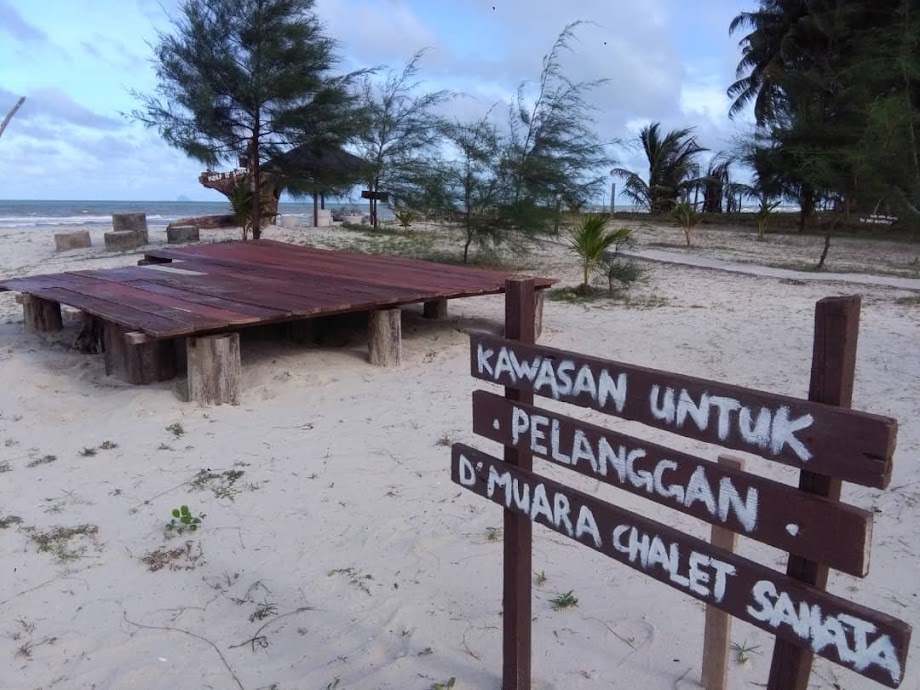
(13, 23)
(54, 107)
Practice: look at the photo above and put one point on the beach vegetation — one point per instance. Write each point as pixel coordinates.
(566, 600)
(400, 133)
(688, 218)
(183, 519)
(244, 81)
(834, 92)
(591, 241)
(553, 158)
(673, 169)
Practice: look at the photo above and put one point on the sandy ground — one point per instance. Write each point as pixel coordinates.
(334, 552)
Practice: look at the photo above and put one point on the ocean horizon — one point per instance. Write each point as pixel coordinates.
(24, 213)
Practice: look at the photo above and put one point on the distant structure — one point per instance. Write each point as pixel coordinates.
(302, 171)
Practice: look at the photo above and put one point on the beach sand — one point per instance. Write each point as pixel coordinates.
(334, 552)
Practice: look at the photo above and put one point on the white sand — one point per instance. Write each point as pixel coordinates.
(369, 567)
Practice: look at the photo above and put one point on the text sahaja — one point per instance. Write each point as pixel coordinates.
(767, 429)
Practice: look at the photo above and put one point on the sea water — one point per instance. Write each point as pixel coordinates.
(90, 214)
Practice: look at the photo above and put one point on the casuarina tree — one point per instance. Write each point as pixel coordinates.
(249, 79)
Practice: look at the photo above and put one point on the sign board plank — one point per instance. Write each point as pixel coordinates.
(868, 642)
(771, 512)
(850, 445)
(379, 196)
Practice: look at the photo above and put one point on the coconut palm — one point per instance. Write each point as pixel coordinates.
(590, 241)
(672, 168)
(774, 41)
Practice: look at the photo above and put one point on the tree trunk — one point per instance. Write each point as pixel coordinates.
(827, 239)
(315, 209)
(469, 239)
(807, 202)
(256, 185)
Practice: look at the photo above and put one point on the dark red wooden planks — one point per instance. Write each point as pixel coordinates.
(868, 642)
(853, 446)
(782, 516)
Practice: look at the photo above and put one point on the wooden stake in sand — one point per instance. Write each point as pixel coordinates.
(718, 632)
(518, 529)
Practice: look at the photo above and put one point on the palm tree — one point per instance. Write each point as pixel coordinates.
(590, 242)
(775, 42)
(672, 168)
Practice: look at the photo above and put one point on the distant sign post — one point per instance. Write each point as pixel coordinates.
(822, 438)
(373, 197)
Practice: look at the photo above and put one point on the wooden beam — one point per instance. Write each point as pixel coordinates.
(137, 338)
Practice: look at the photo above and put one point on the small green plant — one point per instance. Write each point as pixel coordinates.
(493, 533)
(405, 217)
(687, 218)
(744, 652)
(444, 442)
(445, 686)
(108, 445)
(564, 601)
(176, 430)
(624, 273)
(591, 241)
(88, 452)
(5, 467)
(182, 519)
(541, 577)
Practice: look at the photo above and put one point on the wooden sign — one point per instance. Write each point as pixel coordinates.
(832, 533)
(871, 643)
(379, 196)
(820, 436)
(846, 444)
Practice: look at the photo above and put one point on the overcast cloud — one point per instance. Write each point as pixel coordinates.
(76, 61)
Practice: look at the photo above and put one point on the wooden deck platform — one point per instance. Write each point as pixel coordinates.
(214, 289)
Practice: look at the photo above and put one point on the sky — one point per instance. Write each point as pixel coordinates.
(78, 61)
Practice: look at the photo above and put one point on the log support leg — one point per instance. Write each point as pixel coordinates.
(436, 309)
(214, 369)
(539, 297)
(142, 364)
(91, 338)
(385, 337)
(41, 315)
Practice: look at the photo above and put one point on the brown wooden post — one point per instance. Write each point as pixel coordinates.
(436, 309)
(41, 315)
(214, 369)
(539, 299)
(833, 369)
(139, 364)
(518, 530)
(718, 630)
